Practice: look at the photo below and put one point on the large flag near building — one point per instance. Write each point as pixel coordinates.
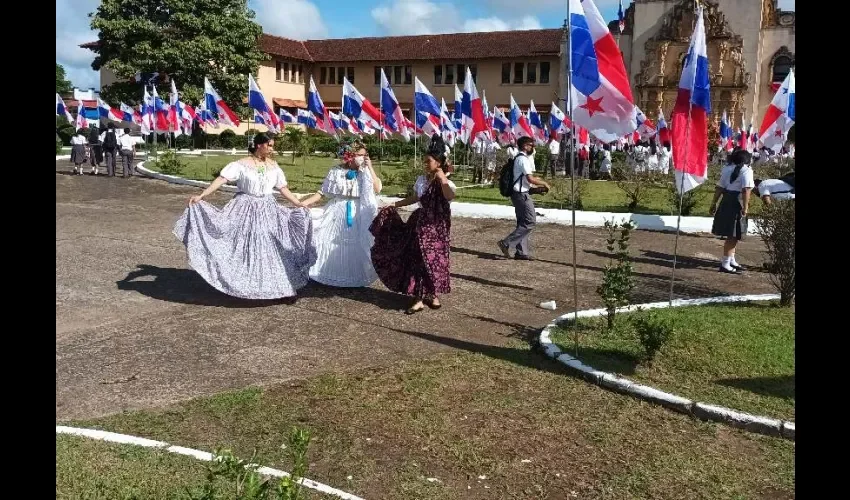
(393, 117)
(216, 107)
(62, 110)
(601, 97)
(355, 105)
(780, 115)
(258, 103)
(423, 100)
(690, 114)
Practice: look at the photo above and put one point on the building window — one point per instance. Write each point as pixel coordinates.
(518, 70)
(331, 75)
(506, 73)
(531, 76)
(349, 72)
(397, 74)
(286, 73)
(473, 68)
(408, 75)
(340, 74)
(450, 74)
(277, 71)
(781, 68)
(438, 74)
(544, 72)
(377, 75)
(298, 71)
(323, 76)
(461, 74)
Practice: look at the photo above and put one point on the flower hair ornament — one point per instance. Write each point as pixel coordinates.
(347, 149)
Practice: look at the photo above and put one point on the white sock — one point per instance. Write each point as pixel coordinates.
(725, 263)
(733, 261)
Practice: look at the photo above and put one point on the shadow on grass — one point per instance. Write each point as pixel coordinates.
(782, 386)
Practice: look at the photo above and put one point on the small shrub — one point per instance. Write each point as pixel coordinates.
(653, 332)
(635, 185)
(58, 145)
(562, 192)
(777, 227)
(227, 140)
(689, 199)
(183, 141)
(169, 163)
(617, 280)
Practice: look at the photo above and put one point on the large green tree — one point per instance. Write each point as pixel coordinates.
(184, 39)
(63, 85)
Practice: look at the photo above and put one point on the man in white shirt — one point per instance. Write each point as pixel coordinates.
(554, 153)
(526, 216)
(127, 145)
(773, 189)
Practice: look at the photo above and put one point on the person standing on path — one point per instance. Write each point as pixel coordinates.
(96, 151)
(128, 150)
(110, 149)
(730, 218)
(526, 216)
(554, 153)
(78, 151)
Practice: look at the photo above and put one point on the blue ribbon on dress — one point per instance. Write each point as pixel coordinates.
(349, 205)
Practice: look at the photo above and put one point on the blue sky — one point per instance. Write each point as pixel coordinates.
(303, 19)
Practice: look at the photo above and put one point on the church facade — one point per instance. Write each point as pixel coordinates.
(750, 50)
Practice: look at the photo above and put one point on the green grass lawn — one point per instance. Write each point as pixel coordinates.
(494, 422)
(740, 355)
(306, 175)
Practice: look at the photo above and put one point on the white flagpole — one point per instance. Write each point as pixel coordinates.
(569, 110)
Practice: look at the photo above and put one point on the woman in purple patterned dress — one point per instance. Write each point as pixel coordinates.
(413, 257)
(252, 248)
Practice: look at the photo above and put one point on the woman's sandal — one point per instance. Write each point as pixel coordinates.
(430, 303)
(411, 311)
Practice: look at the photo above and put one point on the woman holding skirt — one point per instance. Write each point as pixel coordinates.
(252, 248)
(341, 237)
(730, 218)
(413, 257)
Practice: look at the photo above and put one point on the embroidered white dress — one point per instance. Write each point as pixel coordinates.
(341, 235)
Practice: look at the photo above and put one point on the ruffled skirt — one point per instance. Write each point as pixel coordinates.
(343, 251)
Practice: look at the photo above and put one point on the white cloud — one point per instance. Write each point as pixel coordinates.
(298, 19)
(787, 4)
(421, 17)
(72, 29)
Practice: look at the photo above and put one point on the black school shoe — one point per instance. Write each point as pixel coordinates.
(728, 271)
(520, 256)
(738, 268)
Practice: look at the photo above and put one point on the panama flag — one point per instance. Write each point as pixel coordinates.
(62, 110)
(128, 114)
(357, 106)
(306, 118)
(423, 100)
(725, 133)
(175, 112)
(258, 103)
(393, 116)
(473, 121)
(458, 113)
(742, 135)
(558, 121)
(502, 126)
(215, 105)
(519, 123)
(488, 118)
(317, 107)
(690, 114)
(160, 112)
(621, 19)
(536, 124)
(81, 116)
(106, 111)
(286, 116)
(601, 97)
(645, 126)
(147, 113)
(663, 130)
(335, 118)
(780, 115)
(447, 125)
(428, 123)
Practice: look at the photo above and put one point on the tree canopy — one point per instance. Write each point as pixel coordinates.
(63, 85)
(182, 39)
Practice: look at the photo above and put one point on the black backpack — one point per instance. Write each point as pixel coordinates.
(506, 178)
(110, 142)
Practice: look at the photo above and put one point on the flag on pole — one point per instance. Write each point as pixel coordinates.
(393, 116)
(742, 134)
(780, 115)
(355, 105)
(129, 114)
(645, 128)
(147, 113)
(286, 116)
(621, 18)
(81, 116)
(558, 121)
(106, 111)
(502, 126)
(519, 123)
(536, 124)
(458, 113)
(601, 97)
(160, 112)
(690, 114)
(215, 105)
(663, 130)
(447, 126)
(423, 100)
(317, 107)
(725, 133)
(472, 110)
(62, 110)
(306, 118)
(175, 111)
(258, 103)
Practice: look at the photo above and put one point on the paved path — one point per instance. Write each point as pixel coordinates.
(136, 328)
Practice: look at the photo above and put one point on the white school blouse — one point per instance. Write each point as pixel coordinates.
(255, 181)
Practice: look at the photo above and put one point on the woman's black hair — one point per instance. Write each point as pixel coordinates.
(93, 134)
(739, 158)
(437, 151)
(260, 138)
(653, 149)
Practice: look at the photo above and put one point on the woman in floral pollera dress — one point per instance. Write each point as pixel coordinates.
(413, 257)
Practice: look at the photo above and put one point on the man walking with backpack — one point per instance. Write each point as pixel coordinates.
(110, 149)
(515, 182)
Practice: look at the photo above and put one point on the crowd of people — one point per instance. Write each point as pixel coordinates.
(100, 147)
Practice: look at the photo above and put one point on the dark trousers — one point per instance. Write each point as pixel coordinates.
(96, 155)
(127, 162)
(526, 217)
(109, 156)
(553, 163)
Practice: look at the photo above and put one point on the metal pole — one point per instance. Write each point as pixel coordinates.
(569, 110)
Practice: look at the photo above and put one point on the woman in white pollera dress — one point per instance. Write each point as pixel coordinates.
(341, 236)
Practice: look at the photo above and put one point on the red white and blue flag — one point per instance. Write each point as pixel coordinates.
(286, 116)
(601, 97)
(129, 114)
(316, 106)
(447, 126)
(780, 115)
(621, 18)
(216, 107)
(558, 121)
(355, 105)
(81, 116)
(423, 100)
(690, 114)
(62, 110)
(393, 116)
(175, 110)
(258, 103)
(160, 112)
(502, 126)
(536, 124)
(519, 123)
(458, 114)
(106, 111)
(645, 128)
(474, 122)
(663, 130)
(725, 133)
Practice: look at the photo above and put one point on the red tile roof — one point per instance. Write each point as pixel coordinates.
(455, 46)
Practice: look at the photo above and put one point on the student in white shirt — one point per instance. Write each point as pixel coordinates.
(730, 218)
(664, 158)
(605, 163)
(523, 204)
(127, 148)
(512, 150)
(78, 151)
(554, 154)
(773, 189)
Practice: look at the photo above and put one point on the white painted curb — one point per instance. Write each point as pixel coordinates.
(704, 411)
(113, 437)
(506, 212)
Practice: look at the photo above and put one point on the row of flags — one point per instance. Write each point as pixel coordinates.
(601, 106)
